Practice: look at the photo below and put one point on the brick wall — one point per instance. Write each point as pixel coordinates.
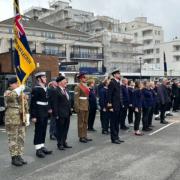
(46, 63)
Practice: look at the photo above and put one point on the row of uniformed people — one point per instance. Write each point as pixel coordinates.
(144, 99)
(114, 100)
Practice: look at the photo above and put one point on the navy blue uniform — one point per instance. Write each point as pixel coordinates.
(115, 98)
(147, 105)
(137, 103)
(104, 114)
(92, 108)
(125, 94)
(39, 110)
(130, 109)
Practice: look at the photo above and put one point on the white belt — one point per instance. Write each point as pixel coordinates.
(42, 103)
(83, 98)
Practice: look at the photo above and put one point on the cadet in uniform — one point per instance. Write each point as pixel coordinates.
(115, 105)
(81, 105)
(39, 114)
(15, 120)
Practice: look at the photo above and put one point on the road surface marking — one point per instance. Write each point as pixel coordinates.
(58, 162)
(161, 128)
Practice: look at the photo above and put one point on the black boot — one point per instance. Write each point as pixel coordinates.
(39, 153)
(15, 161)
(46, 151)
(22, 160)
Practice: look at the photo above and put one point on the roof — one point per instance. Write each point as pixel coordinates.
(35, 24)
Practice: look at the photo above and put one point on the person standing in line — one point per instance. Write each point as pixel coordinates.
(164, 100)
(92, 105)
(130, 108)
(125, 94)
(175, 94)
(169, 105)
(156, 108)
(104, 113)
(39, 114)
(115, 105)
(15, 120)
(81, 106)
(51, 98)
(62, 112)
(137, 104)
(152, 103)
(147, 102)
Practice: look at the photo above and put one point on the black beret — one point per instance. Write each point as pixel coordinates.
(12, 80)
(60, 78)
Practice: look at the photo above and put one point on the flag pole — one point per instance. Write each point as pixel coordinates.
(165, 66)
(17, 11)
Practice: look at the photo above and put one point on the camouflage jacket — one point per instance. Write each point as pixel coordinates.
(14, 112)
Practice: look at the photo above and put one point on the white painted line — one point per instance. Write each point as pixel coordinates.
(57, 162)
(161, 128)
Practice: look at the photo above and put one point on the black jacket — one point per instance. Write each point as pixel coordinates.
(163, 95)
(61, 106)
(115, 95)
(38, 96)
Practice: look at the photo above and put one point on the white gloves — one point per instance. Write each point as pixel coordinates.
(19, 89)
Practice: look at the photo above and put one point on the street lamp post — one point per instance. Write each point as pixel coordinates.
(140, 61)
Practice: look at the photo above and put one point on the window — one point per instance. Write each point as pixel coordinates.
(136, 34)
(10, 30)
(157, 51)
(157, 42)
(177, 58)
(157, 60)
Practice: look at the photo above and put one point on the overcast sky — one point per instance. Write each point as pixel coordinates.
(165, 13)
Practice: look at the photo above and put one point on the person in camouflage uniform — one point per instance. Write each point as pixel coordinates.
(15, 120)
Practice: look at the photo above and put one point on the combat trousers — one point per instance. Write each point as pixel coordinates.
(82, 123)
(16, 136)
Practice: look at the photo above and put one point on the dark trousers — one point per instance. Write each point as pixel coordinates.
(137, 119)
(162, 112)
(62, 127)
(175, 104)
(145, 117)
(40, 130)
(156, 109)
(91, 118)
(123, 115)
(130, 114)
(114, 125)
(52, 127)
(150, 116)
(104, 116)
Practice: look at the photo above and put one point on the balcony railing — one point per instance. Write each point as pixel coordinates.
(90, 70)
(54, 52)
(87, 56)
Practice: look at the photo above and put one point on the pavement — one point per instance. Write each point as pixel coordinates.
(154, 156)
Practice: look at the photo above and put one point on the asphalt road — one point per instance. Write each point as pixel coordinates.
(154, 156)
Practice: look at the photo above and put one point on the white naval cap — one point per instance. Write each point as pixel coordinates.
(40, 74)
